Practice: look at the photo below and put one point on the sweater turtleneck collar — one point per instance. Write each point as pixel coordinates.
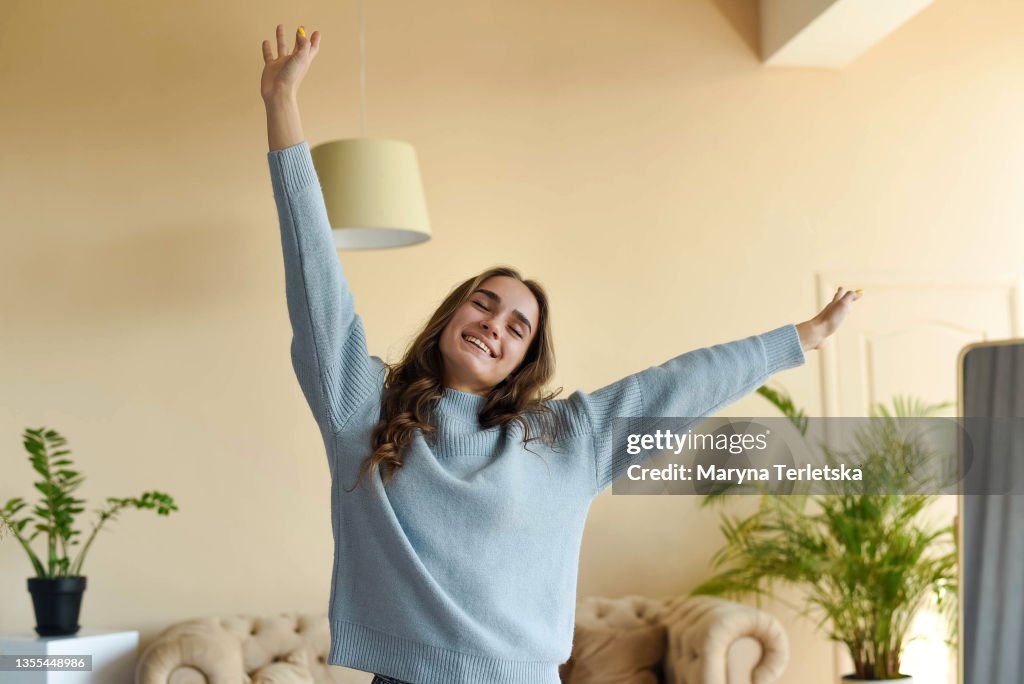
(462, 405)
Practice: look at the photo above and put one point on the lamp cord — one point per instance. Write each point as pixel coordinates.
(362, 74)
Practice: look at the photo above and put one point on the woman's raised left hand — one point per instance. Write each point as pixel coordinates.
(814, 332)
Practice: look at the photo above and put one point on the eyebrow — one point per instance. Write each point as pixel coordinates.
(493, 296)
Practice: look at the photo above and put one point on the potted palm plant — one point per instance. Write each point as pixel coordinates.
(58, 585)
(866, 563)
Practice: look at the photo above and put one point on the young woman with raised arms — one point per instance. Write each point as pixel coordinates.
(459, 488)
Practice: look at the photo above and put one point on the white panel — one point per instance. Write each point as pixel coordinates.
(904, 335)
(914, 360)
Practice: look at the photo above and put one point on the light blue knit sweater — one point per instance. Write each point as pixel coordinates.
(463, 570)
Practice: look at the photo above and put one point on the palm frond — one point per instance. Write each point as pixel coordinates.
(865, 563)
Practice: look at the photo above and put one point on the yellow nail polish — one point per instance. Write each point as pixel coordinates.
(302, 32)
(859, 291)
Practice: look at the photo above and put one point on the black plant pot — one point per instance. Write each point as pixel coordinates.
(57, 601)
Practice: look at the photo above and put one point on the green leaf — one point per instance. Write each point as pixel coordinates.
(865, 564)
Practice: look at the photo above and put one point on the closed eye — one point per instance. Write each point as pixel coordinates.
(518, 334)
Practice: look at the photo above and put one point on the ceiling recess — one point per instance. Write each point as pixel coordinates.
(828, 33)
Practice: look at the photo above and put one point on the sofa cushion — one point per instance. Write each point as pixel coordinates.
(612, 655)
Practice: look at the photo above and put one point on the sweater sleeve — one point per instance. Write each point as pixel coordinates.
(692, 385)
(328, 347)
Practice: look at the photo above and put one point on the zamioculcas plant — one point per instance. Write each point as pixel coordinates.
(55, 513)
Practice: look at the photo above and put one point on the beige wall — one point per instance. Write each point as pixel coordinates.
(635, 157)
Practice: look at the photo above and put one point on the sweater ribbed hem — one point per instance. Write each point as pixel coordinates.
(356, 646)
(296, 165)
(782, 348)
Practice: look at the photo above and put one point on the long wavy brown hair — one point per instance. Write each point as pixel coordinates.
(414, 385)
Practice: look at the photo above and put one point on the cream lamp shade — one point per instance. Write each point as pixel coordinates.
(373, 193)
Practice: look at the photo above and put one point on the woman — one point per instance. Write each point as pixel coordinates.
(462, 568)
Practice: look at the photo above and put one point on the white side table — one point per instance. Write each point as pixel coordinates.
(113, 656)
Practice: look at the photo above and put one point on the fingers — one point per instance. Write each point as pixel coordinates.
(836, 309)
(282, 49)
(302, 42)
(849, 295)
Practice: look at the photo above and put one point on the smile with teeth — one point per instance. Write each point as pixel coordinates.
(478, 343)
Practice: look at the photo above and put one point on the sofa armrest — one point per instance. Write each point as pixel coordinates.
(714, 641)
(213, 654)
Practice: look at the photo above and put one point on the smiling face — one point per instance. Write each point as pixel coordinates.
(501, 315)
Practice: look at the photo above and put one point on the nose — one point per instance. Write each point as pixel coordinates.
(491, 330)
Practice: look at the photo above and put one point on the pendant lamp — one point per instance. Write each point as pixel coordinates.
(372, 187)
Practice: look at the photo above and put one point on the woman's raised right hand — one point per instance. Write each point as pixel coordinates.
(283, 74)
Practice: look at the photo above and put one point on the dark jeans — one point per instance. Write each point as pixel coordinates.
(381, 679)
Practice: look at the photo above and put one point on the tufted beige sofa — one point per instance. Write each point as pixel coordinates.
(707, 641)
(288, 648)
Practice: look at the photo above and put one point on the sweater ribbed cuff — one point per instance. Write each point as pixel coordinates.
(296, 165)
(782, 348)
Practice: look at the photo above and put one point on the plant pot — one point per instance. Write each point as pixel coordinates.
(57, 601)
(852, 679)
